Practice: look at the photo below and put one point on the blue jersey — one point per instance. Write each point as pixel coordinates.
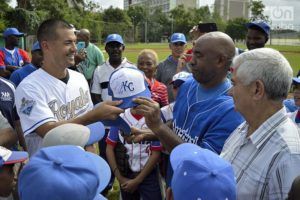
(205, 116)
(17, 76)
(7, 101)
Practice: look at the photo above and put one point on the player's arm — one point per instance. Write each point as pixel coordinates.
(105, 111)
(20, 135)
(151, 111)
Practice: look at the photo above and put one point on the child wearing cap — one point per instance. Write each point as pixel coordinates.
(147, 62)
(8, 159)
(142, 179)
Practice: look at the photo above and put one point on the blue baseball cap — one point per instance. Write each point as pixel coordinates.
(178, 37)
(114, 38)
(74, 134)
(179, 78)
(36, 46)
(97, 132)
(12, 31)
(202, 173)
(260, 24)
(126, 84)
(8, 157)
(63, 172)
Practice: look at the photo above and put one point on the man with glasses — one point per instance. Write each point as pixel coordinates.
(167, 68)
(12, 57)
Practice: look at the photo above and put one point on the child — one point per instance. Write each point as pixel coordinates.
(142, 179)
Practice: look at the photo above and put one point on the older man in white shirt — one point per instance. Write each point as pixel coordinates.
(264, 150)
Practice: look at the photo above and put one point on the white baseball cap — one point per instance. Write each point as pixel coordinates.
(126, 84)
(180, 78)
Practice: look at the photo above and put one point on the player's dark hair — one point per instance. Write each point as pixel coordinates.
(260, 30)
(47, 29)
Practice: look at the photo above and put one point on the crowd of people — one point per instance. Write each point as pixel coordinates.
(211, 122)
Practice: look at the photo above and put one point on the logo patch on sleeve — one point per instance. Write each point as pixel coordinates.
(27, 106)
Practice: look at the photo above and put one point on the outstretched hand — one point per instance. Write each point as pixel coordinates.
(108, 110)
(150, 110)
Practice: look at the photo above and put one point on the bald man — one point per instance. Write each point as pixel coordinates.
(94, 55)
(203, 113)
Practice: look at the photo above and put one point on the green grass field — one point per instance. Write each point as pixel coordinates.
(292, 53)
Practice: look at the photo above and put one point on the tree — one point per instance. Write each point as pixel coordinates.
(137, 15)
(257, 8)
(236, 28)
(182, 19)
(116, 21)
(159, 25)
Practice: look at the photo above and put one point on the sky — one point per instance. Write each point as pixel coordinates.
(104, 3)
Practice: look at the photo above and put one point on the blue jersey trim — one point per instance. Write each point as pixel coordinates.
(39, 122)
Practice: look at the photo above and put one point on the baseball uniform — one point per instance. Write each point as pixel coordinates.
(15, 57)
(42, 98)
(138, 155)
(7, 101)
(205, 116)
(101, 78)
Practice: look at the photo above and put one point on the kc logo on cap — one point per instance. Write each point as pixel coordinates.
(128, 83)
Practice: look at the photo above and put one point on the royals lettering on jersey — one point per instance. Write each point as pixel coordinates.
(69, 110)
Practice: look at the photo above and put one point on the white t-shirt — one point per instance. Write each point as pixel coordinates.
(42, 98)
(101, 77)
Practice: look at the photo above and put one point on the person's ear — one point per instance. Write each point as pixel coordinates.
(123, 47)
(258, 89)
(44, 45)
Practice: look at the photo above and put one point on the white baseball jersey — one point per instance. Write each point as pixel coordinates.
(101, 78)
(138, 153)
(42, 98)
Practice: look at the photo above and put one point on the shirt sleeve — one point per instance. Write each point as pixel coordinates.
(2, 64)
(32, 107)
(113, 136)
(25, 56)
(282, 177)
(96, 89)
(164, 95)
(159, 71)
(15, 78)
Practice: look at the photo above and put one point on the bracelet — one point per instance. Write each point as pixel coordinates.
(115, 170)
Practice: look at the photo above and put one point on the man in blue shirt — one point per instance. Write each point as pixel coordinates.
(36, 62)
(203, 113)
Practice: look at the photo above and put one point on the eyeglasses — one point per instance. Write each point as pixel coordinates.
(178, 44)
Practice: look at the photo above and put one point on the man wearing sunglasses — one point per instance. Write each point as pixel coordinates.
(167, 68)
(295, 116)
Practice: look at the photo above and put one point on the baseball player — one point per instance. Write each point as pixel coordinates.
(53, 94)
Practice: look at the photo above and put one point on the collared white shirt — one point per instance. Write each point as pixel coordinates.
(266, 163)
(101, 77)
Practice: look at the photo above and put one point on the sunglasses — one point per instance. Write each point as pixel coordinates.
(178, 43)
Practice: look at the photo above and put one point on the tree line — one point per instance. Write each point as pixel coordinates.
(137, 24)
